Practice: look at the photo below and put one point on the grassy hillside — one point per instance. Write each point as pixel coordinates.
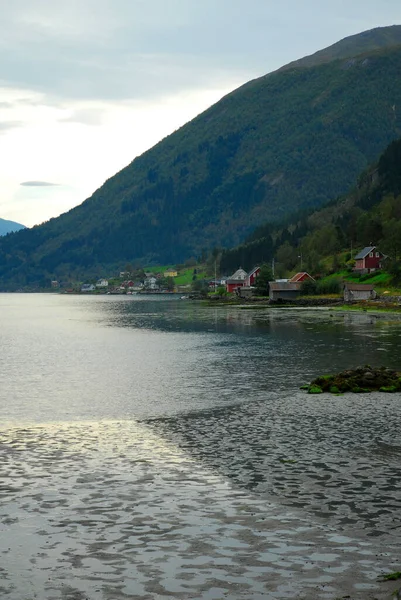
(293, 140)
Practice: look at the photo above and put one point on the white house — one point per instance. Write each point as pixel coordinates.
(151, 283)
(87, 287)
(102, 283)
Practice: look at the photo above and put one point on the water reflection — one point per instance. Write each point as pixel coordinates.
(123, 357)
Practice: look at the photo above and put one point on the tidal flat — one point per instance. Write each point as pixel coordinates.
(151, 450)
(113, 510)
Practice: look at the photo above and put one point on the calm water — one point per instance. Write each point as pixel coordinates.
(153, 447)
(74, 357)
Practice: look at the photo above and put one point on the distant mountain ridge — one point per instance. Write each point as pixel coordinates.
(292, 140)
(9, 226)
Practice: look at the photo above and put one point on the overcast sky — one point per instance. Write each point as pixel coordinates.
(87, 85)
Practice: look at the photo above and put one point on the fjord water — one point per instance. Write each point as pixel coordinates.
(76, 357)
(152, 447)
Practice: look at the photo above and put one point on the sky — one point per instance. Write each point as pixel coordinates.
(88, 85)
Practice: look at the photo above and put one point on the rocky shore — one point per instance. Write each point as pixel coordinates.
(360, 380)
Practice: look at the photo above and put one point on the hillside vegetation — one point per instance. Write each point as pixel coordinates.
(292, 140)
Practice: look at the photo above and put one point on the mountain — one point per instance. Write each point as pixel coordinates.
(9, 226)
(292, 140)
(370, 214)
(375, 39)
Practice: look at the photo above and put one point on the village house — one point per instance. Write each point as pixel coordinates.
(358, 291)
(87, 287)
(236, 281)
(151, 283)
(170, 273)
(102, 283)
(368, 260)
(251, 277)
(301, 277)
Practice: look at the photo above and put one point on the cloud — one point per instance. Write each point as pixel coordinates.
(139, 50)
(86, 116)
(38, 184)
(7, 125)
(87, 86)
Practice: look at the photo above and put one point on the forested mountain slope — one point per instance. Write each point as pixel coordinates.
(370, 214)
(292, 140)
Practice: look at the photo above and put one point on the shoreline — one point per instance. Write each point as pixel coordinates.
(307, 304)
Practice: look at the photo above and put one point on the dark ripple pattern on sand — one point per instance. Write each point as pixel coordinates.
(114, 511)
(321, 454)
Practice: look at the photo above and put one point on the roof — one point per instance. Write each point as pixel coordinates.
(298, 276)
(364, 252)
(253, 271)
(359, 287)
(239, 274)
(281, 286)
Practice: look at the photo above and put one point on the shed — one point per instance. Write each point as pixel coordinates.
(284, 290)
(358, 291)
(246, 291)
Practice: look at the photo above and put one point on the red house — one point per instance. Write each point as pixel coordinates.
(300, 277)
(251, 277)
(236, 281)
(369, 259)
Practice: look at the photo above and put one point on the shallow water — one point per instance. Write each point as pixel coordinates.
(153, 448)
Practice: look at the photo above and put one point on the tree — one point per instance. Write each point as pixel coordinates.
(167, 283)
(392, 238)
(286, 255)
(201, 287)
(262, 280)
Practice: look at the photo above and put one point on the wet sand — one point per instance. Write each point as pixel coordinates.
(118, 510)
